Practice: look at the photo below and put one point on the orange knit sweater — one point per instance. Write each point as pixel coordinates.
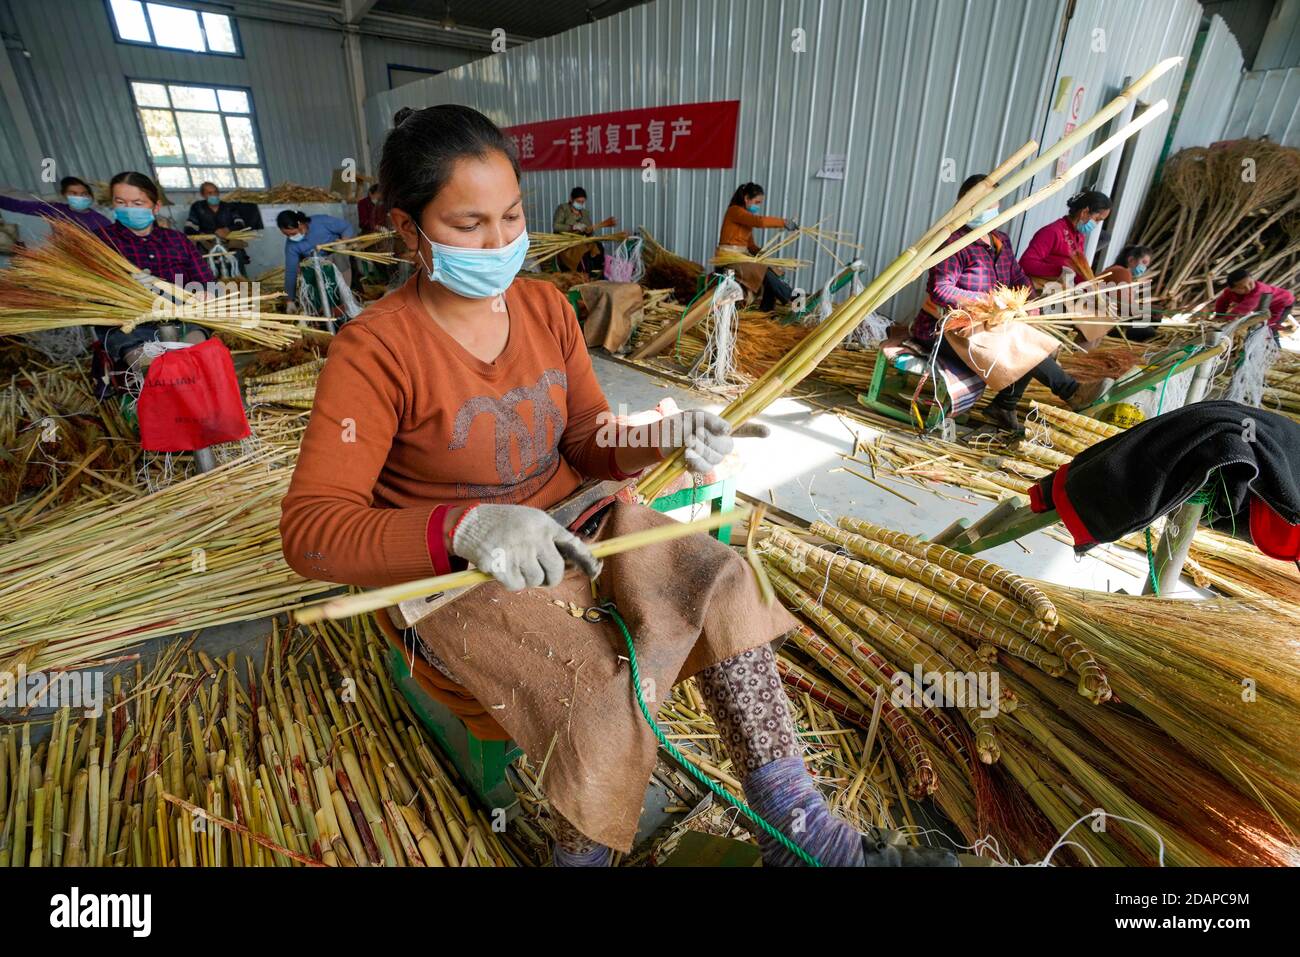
(405, 419)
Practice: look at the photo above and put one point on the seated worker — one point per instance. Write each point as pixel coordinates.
(1063, 243)
(76, 206)
(472, 420)
(971, 273)
(210, 216)
(1132, 262)
(372, 215)
(743, 216)
(302, 234)
(153, 249)
(572, 217)
(1245, 294)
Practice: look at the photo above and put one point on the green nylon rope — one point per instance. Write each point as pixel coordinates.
(691, 769)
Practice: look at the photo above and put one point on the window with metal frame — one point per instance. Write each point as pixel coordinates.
(195, 134)
(173, 27)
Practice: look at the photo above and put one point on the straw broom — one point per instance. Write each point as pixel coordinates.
(235, 235)
(545, 246)
(76, 279)
(927, 252)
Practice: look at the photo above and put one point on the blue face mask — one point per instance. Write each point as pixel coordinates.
(982, 217)
(1139, 270)
(476, 273)
(754, 208)
(297, 237)
(134, 217)
(214, 200)
(1088, 227)
(80, 203)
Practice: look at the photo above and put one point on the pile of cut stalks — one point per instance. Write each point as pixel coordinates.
(313, 759)
(1184, 771)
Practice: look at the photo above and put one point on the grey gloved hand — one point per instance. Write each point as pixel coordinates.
(145, 278)
(1265, 302)
(791, 224)
(705, 437)
(521, 547)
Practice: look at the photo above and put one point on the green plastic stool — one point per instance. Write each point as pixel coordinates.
(482, 763)
(887, 381)
(720, 496)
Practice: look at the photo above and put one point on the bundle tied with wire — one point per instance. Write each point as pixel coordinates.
(76, 279)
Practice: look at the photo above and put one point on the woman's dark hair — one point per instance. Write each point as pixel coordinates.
(291, 219)
(139, 181)
(577, 193)
(1237, 275)
(1089, 199)
(746, 191)
(73, 181)
(1132, 253)
(970, 183)
(422, 148)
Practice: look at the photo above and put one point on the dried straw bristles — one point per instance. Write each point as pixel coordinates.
(75, 279)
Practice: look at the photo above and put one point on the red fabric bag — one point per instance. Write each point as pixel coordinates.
(1272, 534)
(191, 400)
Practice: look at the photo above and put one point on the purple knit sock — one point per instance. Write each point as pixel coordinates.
(597, 856)
(784, 794)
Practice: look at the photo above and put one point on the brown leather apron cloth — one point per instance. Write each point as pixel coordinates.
(442, 689)
(571, 258)
(1002, 354)
(613, 310)
(749, 275)
(561, 684)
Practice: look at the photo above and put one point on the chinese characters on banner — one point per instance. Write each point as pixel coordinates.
(687, 136)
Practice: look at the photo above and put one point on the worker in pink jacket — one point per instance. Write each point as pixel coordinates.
(1063, 244)
(1245, 295)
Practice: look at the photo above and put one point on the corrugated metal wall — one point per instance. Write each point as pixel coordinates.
(1213, 88)
(899, 86)
(1267, 104)
(75, 83)
(1107, 43)
(377, 54)
(1280, 48)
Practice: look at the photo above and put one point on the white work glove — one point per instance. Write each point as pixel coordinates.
(145, 278)
(706, 438)
(521, 547)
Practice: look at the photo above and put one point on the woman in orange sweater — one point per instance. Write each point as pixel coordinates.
(744, 215)
(449, 417)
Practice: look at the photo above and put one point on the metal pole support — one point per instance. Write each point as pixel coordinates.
(1174, 545)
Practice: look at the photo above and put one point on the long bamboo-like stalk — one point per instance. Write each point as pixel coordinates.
(349, 605)
(800, 362)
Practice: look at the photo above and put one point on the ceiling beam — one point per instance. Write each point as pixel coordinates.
(390, 26)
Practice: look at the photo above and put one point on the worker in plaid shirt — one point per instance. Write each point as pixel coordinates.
(971, 273)
(163, 253)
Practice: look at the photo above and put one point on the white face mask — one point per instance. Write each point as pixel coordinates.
(475, 273)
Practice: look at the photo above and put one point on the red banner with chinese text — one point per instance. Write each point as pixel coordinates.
(686, 136)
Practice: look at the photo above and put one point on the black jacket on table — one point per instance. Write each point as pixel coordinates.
(1124, 483)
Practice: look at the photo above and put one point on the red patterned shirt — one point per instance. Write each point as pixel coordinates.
(167, 254)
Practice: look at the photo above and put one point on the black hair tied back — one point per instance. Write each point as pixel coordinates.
(1090, 199)
(423, 147)
(291, 219)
